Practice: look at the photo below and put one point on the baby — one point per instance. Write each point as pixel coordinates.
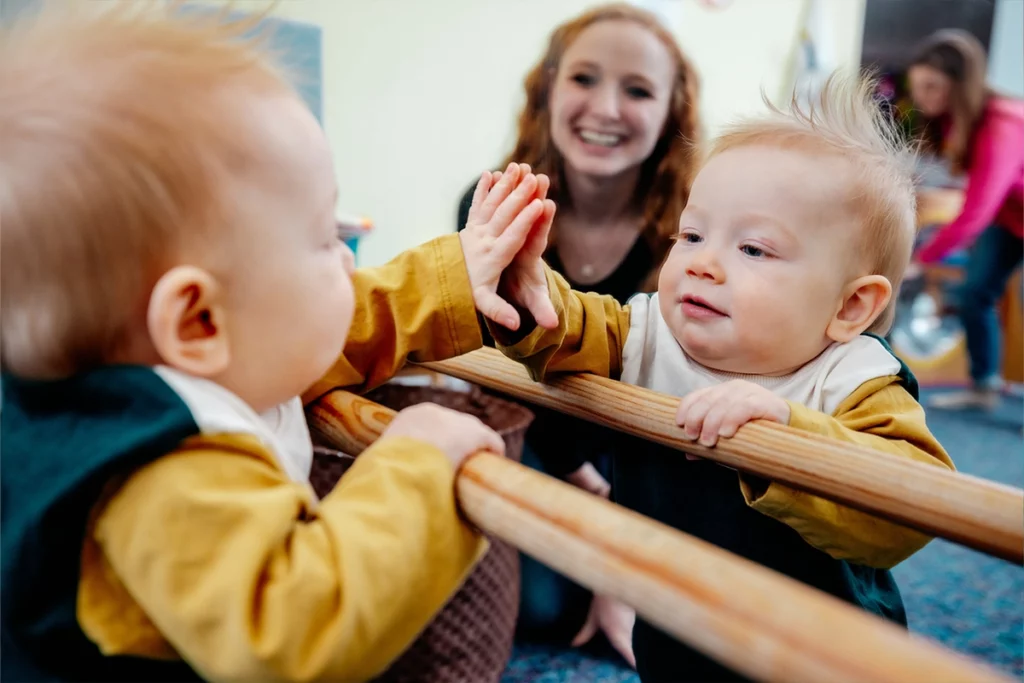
(796, 234)
(172, 281)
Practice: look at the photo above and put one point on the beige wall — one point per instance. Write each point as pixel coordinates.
(419, 98)
(421, 95)
(752, 45)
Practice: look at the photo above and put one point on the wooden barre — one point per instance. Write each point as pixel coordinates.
(975, 512)
(754, 620)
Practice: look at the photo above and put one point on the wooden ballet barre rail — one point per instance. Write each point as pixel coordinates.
(752, 619)
(974, 512)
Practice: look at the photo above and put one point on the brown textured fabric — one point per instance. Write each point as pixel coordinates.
(470, 640)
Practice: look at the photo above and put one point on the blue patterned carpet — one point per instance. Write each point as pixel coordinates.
(968, 601)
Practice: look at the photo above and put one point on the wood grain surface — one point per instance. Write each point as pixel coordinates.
(975, 512)
(754, 620)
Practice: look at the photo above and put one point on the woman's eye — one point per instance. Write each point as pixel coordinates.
(753, 252)
(638, 93)
(584, 79)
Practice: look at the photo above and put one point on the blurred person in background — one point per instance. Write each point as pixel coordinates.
(981, 134)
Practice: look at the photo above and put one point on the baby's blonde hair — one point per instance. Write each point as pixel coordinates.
(845, 122)
(116, 126)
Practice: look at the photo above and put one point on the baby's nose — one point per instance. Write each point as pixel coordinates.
(704, 264)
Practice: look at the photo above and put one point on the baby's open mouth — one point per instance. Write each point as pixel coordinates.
(696, 307)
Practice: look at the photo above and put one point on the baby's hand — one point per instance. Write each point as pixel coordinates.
(455, 434)
(708, 414)
(587, 477)
(616, 619)
(508, 226)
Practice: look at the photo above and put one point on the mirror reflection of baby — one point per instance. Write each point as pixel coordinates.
(796, 233)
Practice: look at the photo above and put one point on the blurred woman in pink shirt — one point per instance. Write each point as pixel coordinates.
(981, 134)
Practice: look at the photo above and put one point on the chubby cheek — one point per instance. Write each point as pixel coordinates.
(756, 324)
(337, 303)
(330, 305)
(761, 308)
(671, 273)
(788, 314)
(345, 310)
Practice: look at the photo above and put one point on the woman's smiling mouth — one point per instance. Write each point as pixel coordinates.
(593, 137)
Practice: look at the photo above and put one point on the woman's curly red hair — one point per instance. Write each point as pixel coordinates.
(666, 174)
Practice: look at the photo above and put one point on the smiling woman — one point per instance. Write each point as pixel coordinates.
(611, 116)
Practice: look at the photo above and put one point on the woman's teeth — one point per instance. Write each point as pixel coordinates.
(603, 139)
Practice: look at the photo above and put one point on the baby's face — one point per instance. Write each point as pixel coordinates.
(764, 250)
(289, 290)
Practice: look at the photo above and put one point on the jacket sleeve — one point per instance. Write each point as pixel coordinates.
(417, 307)
(591, 333)
(881, 415)
(248, 578)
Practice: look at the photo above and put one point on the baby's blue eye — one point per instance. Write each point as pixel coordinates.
(752, 251)
(690, 237)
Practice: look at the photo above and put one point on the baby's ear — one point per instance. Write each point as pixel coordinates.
(187, 322)
(863, 301)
